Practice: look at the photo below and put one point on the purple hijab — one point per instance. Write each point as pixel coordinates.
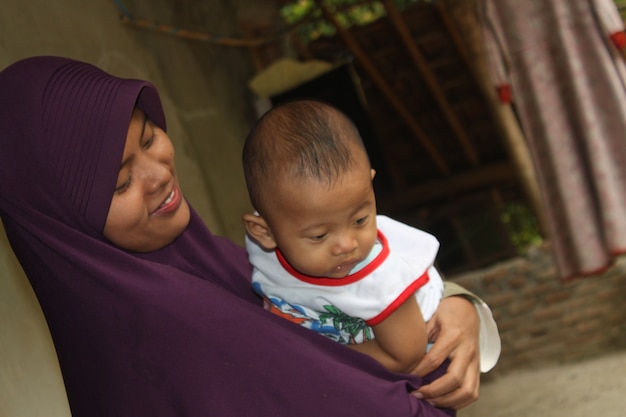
(175, 332)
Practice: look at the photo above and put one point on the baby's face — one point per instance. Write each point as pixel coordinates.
(325, 230)
(148, 210)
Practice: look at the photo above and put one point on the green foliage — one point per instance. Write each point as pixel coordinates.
(309, 22)
(523, 227)
(621, 7)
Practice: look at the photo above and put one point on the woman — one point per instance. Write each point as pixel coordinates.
(151, 315)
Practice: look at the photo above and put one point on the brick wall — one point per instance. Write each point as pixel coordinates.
(542, 320)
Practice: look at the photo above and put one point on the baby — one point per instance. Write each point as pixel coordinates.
(322, 256)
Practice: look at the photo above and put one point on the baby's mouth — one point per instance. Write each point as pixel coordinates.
(347, 266)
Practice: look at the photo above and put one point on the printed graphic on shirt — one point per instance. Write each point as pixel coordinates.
(333, 323)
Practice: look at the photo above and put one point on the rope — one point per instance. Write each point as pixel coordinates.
(131, 20)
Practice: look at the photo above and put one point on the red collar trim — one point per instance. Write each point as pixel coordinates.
(336, 282)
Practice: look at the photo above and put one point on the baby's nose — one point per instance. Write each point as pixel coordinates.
(346, 243)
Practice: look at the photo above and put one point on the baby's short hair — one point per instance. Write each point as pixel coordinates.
(302, 140)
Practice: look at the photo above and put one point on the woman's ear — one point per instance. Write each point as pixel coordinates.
(372, 174)
(257, 228)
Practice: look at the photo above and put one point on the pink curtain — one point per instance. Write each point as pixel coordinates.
(560, 63)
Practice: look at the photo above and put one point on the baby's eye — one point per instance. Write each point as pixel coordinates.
(318, 238)
(361, 221)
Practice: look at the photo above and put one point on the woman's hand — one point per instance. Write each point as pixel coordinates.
(454, 329)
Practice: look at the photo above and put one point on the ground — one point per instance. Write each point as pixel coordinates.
(595, 387)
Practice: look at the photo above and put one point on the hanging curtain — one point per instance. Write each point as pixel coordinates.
(560, 63)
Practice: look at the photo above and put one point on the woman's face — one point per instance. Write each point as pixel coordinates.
(148, 210)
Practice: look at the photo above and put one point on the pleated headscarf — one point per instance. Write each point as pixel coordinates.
(174, 332)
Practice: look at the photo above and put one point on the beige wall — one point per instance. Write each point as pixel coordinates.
(209, 111)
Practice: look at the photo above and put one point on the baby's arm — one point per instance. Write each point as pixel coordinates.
(400, 340)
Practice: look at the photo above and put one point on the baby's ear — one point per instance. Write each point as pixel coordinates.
(257, 228)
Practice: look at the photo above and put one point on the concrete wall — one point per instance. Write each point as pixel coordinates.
(209, 110)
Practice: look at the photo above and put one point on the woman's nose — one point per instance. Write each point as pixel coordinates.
(154, 175)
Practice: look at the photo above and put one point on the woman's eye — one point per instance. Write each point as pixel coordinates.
(150, 135)
(124, 186)
(148, 142)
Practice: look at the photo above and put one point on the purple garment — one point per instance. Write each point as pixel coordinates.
(176, 332)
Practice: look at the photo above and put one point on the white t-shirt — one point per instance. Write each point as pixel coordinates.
(344, 309)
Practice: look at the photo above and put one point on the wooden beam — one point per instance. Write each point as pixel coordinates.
(404, 33)
(385, 89)
(484, 177)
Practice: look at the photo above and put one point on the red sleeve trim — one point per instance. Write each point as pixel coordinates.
(408, 292)
(619, 39)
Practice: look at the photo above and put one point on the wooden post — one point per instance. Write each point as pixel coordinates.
(405, 34)
(505, 121)
(387, 91)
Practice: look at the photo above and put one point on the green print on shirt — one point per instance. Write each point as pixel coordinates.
(348, 324)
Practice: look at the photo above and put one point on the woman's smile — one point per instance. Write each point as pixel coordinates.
(171, 203)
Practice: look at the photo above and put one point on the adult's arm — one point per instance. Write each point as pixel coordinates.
(464, 331)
